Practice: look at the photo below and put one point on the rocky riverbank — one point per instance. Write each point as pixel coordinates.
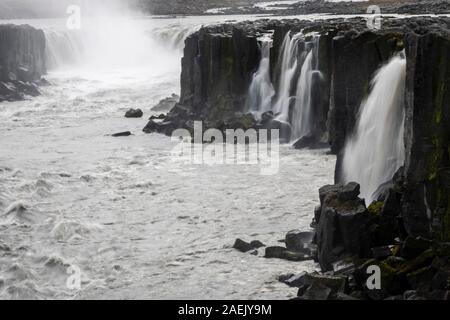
(405, 232)
(22, 61)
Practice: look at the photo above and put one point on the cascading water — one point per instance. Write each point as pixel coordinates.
(118, 42)
(376, 150)
(292, 101)
(301, 116)
(261, 90)
(289, 64)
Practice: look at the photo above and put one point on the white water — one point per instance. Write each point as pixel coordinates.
(137, 224)
(292, 101)
(376, 150)
(301, 117)
(289, 61)
(261, 90)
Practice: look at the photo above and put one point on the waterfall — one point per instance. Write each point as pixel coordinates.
(301, 117)
(63, 48)
(261, 90)
(298, 68)
(289, 63)
(376, 150)
(113, 42)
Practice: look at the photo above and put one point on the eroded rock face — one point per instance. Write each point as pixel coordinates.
(343, 225)
(22, 61)
(22, 53)
(426, 207)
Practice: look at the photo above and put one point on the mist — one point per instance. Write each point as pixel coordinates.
(25, 9)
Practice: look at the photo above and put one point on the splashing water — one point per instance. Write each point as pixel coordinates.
(376, 151)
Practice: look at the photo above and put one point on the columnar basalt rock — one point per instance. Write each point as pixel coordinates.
(426, 205)
(22, 60)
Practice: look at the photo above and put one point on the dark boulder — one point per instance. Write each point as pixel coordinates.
(343, 228)
(243, 246)
(350, 191)
(314, 286)
(285, 254)
(284, 129)
(299, 241)
(134, 113)
(413, 247)
(122, 134)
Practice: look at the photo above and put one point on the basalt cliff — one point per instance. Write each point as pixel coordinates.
(406, 230)
(22, 61)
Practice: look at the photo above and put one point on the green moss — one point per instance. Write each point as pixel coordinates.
(421, 261)
(438, 117)
(375, 208)
(400, 44)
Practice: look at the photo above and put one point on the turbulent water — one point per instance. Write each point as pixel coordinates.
(377, 150)
(135, 223)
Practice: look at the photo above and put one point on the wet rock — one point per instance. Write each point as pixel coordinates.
(275, 252)
(283, 253)
(158, 117)
(284, 129)
(315, 292)
(297, 241)
(267, 117)
(344, 297)
(350, 191)
(310, 142)
(344, 267)
(381, 253)
(166, 104)
(294, 280)
(122, 134)
(421, 279)
(343, 228)
(326, 190)
(441, 280)
(412, 295)
(413, 247)
(134, 113)
(256, 244)
(314, 286)
(243, 246)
